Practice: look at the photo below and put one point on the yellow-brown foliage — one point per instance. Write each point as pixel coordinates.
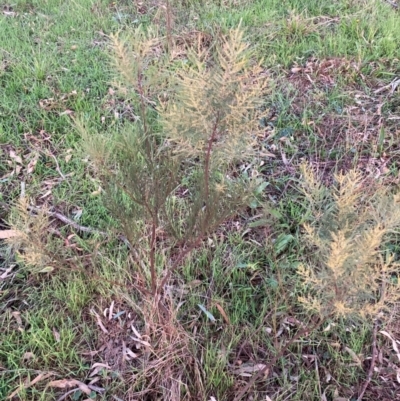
(216, 100)
(193, 121)
(350, 273)
(30, 243)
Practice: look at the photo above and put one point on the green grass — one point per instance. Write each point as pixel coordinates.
(54, 59)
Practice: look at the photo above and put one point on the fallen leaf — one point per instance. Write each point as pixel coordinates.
(145, 343)
(130, 354)
(280, 331)
(45, 194)
(327, 328)
(7, 272)
(207, 313)
(94, 380)
(354, 356)
(194, 283)
(223, 314)
(17, 317)
(47, 269)
(99, 322)
(15, 157)
(37, 379)
(110, 312)
(68, 383)
(27, 356)
(247, 369)
(394, 343)
(97, 192)
(31, 165)
(137, 334)
(67, 113)
(4, 234)
(56, 335)
(97, 367)
(336, 396)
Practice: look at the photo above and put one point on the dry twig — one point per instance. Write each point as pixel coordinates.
(372, 366)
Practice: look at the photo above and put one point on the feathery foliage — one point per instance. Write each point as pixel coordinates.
(192, 125)
(31, 240)
(215, 105)
(350, 275)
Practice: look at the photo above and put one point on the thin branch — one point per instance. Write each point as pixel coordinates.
(193, 245)
(152, 255)
(90, 230)
(207, 159)
(373, 361)
(47, 153)
(168, 20)
(68, 221)
(178, 260)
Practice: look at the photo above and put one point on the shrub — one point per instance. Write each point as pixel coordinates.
(351, 273)
(193, 124)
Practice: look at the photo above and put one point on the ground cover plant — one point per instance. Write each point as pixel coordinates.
(199, 200)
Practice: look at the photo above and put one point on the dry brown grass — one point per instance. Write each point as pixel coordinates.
(152, 353)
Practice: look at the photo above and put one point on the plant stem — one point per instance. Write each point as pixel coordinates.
(142, 103)
(143, 113)
(169, 24)
(152, 256)
(372, 366)
(179, 259)
(208, 159)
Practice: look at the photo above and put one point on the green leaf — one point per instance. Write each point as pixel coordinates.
(259, 190)
(275, 213)
(282, 242)
(242, 265)
(254, 204)
(273, 283)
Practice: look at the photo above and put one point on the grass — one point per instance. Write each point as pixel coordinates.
(329, 102)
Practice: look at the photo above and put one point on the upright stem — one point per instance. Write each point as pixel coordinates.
(208, 159)
(143, 112)
(169, 24)
(179, 259)
(142, 104)
(152, 256)
(149, 156)
(373, 361)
